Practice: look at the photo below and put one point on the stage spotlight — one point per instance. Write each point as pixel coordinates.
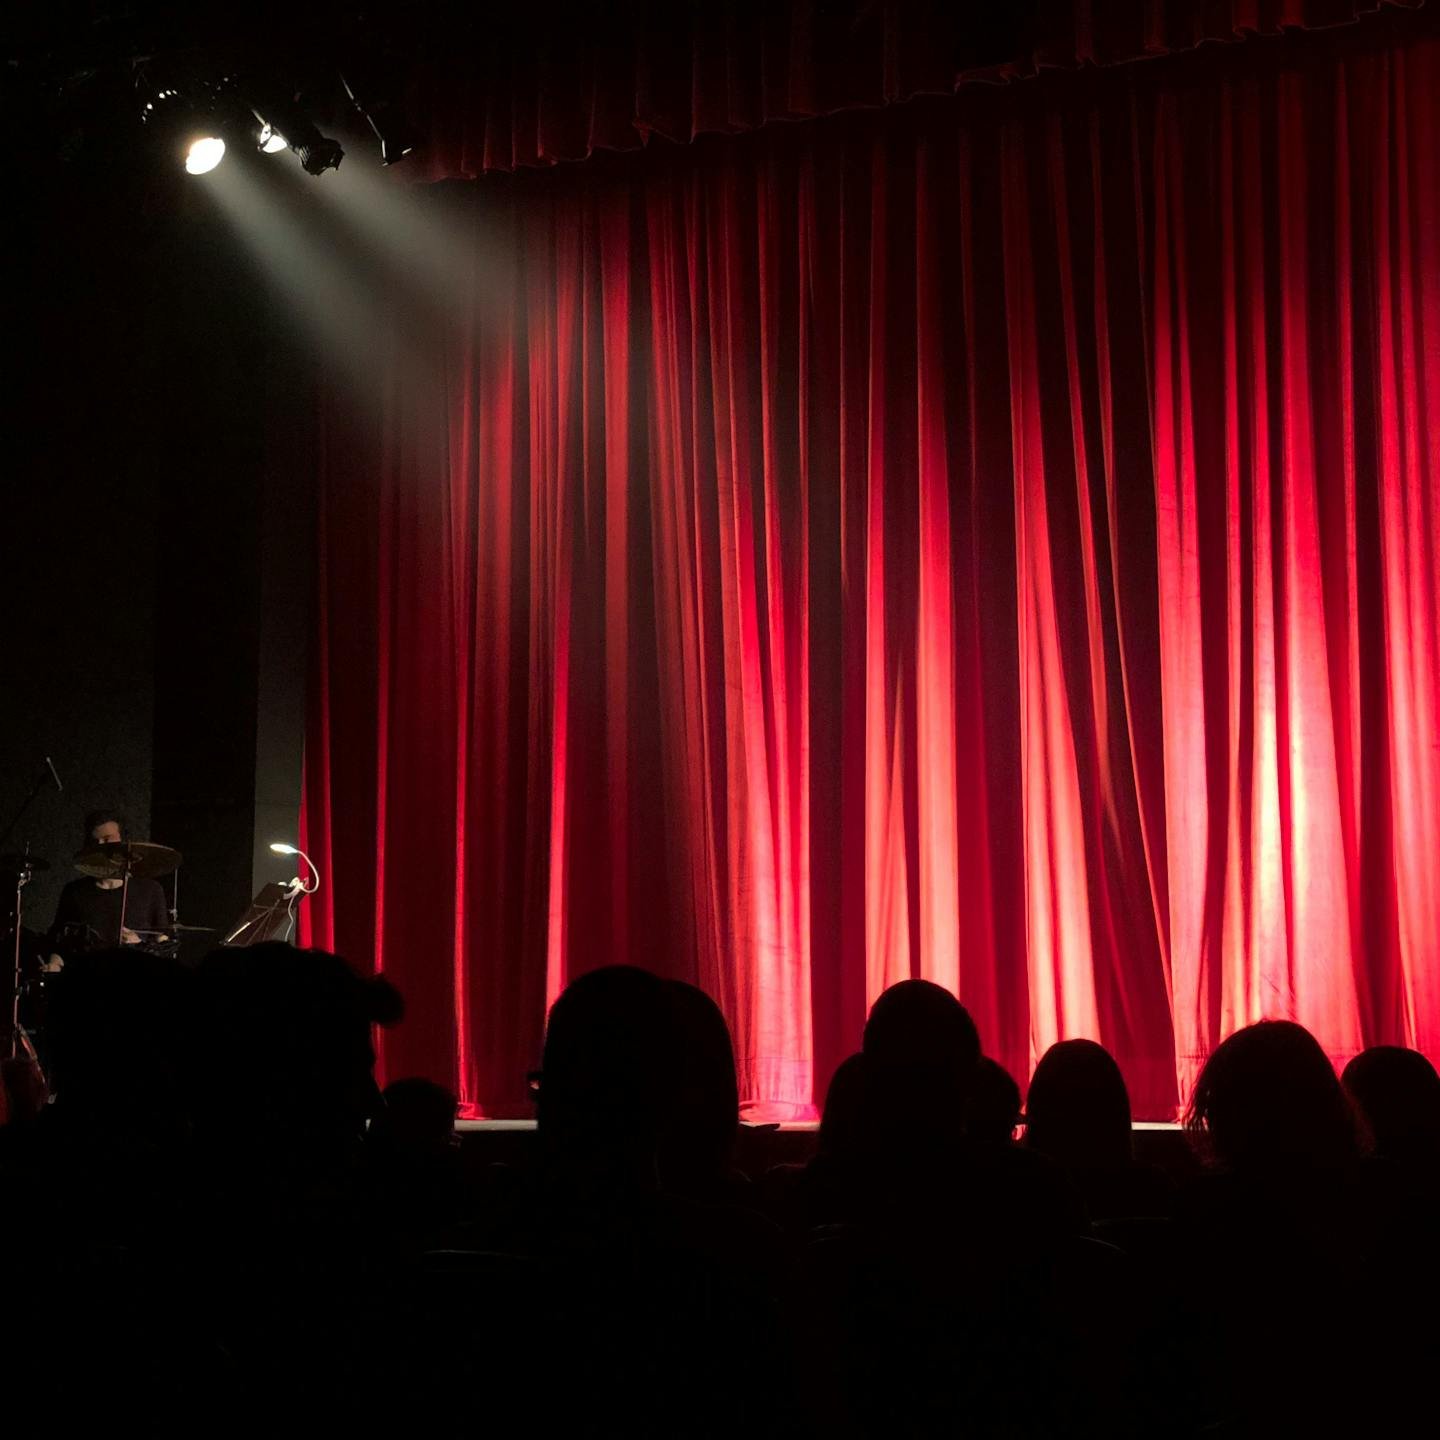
(320, 155)
(188, 122)
(204, 154)
(283, 121)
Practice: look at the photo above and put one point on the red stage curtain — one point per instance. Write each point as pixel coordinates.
(528, 86)
(995, 542)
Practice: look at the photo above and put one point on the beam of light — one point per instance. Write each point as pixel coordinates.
(333, 293)
(434, 237)
(204, 154)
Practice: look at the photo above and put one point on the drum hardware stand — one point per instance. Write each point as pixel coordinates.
(124, 890)
(18, 1039)
(124, 899)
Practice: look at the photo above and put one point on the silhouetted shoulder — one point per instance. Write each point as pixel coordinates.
(1013, 1189)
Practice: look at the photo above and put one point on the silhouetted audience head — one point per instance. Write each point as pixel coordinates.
(416, 1119)
(1268, 1099)
(118, 1028)
(921, 1050)
(920, 1030)
(1077, 1111)
(609, 1067)
(1397, 1092)
(842, 1119)
(994, 1104)
(704, 1101)
(283, 1044)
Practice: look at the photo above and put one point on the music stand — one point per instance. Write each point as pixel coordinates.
(267, 915)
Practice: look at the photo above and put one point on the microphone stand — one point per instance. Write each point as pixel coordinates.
(25, 804)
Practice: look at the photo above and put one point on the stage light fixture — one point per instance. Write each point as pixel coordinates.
(281, 119)
(320, 155)
(189, 116)
(204, 154)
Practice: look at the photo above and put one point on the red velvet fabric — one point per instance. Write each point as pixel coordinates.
(999, 545)
(528, 87)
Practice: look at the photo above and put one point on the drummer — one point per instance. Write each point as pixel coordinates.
(91, 907)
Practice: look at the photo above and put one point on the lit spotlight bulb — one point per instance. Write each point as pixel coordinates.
(204, 154)
(281, 848)
(272, 142)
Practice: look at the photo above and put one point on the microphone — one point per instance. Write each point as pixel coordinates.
(54, 774)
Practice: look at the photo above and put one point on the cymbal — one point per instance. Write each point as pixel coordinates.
(139, 857)
(193, 929)
(14, 864)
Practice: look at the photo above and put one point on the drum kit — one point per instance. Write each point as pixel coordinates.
(269, 916)
(123, 860)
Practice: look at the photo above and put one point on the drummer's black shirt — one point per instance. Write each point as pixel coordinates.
(93, 914)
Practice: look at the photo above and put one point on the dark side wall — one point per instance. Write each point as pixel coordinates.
(151, 409)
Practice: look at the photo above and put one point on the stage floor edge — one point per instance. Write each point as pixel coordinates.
(492, 1126)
